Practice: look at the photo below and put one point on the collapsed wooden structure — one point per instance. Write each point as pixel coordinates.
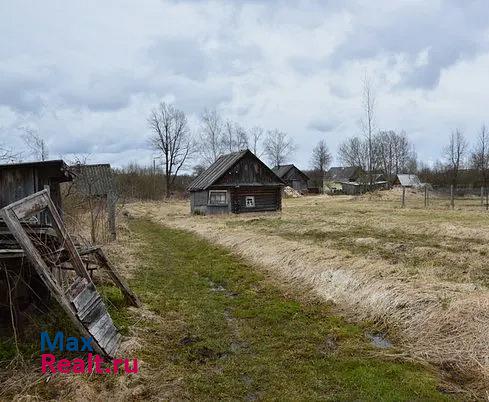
(36, 250)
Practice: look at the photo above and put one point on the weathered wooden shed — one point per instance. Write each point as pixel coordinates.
(18, 180)
(237, 182)
(292, 176)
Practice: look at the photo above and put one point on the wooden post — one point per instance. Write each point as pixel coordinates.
(482, 196)
(425, 196)
(452, 200)
(403, 200)
(111, 210)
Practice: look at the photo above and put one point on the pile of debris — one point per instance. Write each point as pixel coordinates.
(289, 192)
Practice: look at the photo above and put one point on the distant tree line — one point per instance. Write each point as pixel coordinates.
(135, 182)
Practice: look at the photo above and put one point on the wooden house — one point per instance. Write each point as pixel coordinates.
(237, 182)
(292, 177)
(338, 177)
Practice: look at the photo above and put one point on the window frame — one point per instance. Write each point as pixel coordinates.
(217, 192)
(246, 201)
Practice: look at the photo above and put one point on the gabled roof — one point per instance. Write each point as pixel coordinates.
(215, 171)
(409, 180)
(282, 170)
(94, 180)
(343, 173)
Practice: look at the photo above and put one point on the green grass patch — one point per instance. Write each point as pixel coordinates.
(228, 333)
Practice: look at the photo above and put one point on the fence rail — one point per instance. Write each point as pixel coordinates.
(445, 197)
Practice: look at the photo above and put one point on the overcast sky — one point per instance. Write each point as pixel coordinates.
(85, 74)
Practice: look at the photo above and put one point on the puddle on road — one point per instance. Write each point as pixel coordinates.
(379, 341)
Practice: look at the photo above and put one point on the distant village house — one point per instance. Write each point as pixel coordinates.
(237, 182)
(292, 177)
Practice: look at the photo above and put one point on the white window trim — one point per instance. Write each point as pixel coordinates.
(246, 201)
(217, 191)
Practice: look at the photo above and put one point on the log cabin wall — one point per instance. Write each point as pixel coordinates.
(265, 199)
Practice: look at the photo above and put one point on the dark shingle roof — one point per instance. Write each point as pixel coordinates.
(212, 174)
(209, 176)
(94, 180)
(282, 170)
(342, 173)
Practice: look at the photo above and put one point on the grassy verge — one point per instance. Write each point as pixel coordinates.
(228, 333)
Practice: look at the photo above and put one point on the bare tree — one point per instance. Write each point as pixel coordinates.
(278, 147)
(480, 155)
(368, 121)
(7, 155)
(393, 153)
(36, 145)
(229, 136)
(171, 137)
(354, 152)
(454, 154)
(256, 135)
(321, 158)
(235, 137)
(241, 138)
(212, 142)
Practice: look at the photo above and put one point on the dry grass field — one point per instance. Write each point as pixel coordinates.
(419, 274)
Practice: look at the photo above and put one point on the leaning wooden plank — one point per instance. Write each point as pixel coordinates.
(84, 298)
(90, 305)
(68, 244)
(113, 345)
(129, 295)
(30, 205)
(96, 327)
(42, 270)
(76, 287)
(94, 313)
(106, 332)
(108, 337)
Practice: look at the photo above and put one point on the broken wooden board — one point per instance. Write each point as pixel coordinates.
(81, 301)
(119, 281)
(92, 312)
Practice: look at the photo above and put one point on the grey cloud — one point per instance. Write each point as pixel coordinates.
(449, 34)
(322, 125)
(23, 90)
(179, 56)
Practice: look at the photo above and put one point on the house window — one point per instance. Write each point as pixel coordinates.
(250, 201)
(218, 197)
